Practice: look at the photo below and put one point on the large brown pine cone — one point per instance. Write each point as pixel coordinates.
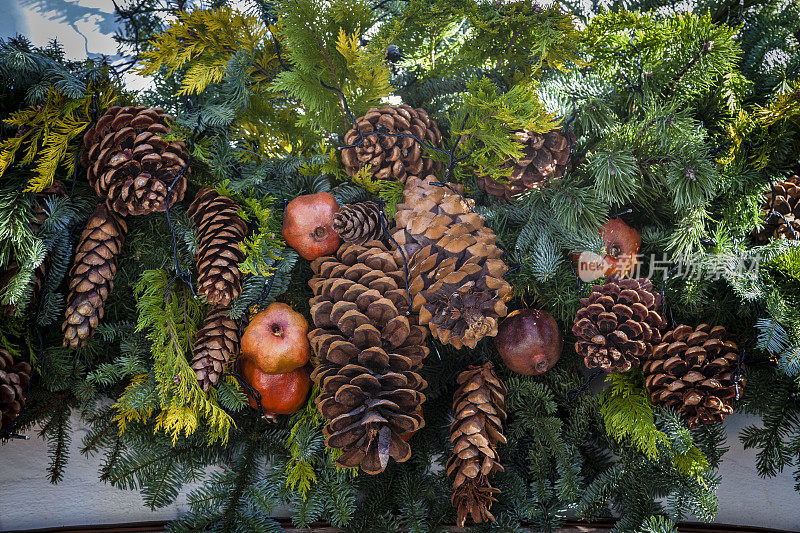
(14, 379)
(691, 371)
(618, 324)
(220, 230)
(479, 405)
(216, 344)
(130, 164)
(39, 273)
(369, 351)
(359, 222)
(91, 277)
(782, 207)
(544, 157)
(455, 266)
(392, 158)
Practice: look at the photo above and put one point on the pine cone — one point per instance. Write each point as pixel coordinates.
(455, 266)
(392, 158)
(691, 371)
(479, 405)
(618, 324)
(369, 350)
(544, 156)
(359, 222)
(216, 344)
(39, 273)
(91, 277)
(130, 164)
(219, 232)
(14, 380)
(782, 210)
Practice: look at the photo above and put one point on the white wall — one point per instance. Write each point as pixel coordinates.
(27, 500)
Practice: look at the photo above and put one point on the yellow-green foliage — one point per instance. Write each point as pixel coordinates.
(49, 135)
(170, 393)
(488, 120)
(322, 44)
(202, 42)
(628, 415)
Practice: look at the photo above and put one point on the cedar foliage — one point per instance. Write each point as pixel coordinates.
(683, 116)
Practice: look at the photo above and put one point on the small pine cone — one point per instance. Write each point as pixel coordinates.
(217, 343)
(455, 266)
(130, 164)
(782, 212)
(91, 277)
(618, 324)
(691, 371)
(219, 230)
(479, 405)
(359, 222)
(14, 380)
(369, 350)
(544, 157)
(392, 158)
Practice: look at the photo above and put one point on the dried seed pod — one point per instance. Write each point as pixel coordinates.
(781, 205)
(130, 163)
(618, 324)
(479, 405)
(216, 344)
(14, 380)
(692, 371)
(369, 349)
(359, 222)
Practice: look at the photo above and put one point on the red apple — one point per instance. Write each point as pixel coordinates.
(276, 340)
(307, 225)
(281, 394)
(530, 341)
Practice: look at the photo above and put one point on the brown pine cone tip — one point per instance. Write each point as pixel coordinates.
(14, 380)
(131, 165)
(216, 345)
(479, 406)
(219, 231)
(39, 273)
(359, 222)
(544, 156)
(618, 324)
(392, 158)
(690, 370)
(91, 277)
(455, 266)
(369, 349)
(781, 205)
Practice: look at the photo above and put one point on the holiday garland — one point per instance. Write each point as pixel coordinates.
(310, 188)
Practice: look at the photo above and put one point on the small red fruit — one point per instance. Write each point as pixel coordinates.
(281, 394)
(530, 341)
(307, 225)
(276, 340)
(622, 247)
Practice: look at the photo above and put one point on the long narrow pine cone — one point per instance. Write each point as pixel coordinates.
(781, 206)
(91, 277)
(455, 266)
(219, 231)
(692, 371)
(14, 379)
(39, 273)
(359, 222)
(369, 350)
(545, 156)
(618, 324)
(130, 163)
(480, 409)
(392, 158)
(216, 344)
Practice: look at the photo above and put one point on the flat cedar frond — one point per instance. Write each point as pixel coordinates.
(169, 316)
